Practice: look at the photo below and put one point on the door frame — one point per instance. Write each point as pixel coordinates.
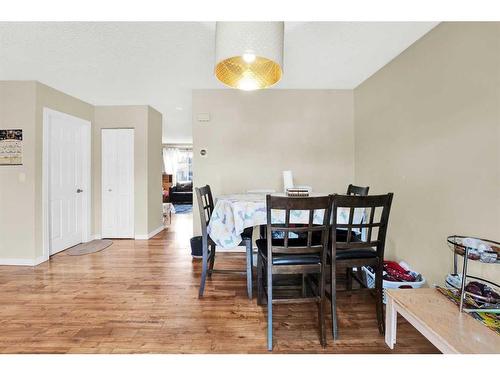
(86, 178)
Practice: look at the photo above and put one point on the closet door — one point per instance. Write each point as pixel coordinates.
(117, 155)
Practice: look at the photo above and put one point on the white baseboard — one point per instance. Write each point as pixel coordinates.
(22, 261)
(16, 262)
(150, 234)
(41, 259)
(96, 236)
(156, 231)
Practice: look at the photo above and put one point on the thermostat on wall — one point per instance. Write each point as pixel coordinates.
(203, 117)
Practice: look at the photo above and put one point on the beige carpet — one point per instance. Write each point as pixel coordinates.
(89, 247)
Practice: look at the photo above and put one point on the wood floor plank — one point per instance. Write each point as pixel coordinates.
(142, 297)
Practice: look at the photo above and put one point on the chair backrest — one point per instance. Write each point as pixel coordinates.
(376, 218)
(288, 204)
(357, 190)
(205, 206)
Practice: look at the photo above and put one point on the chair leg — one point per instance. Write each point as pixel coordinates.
(321, 307)
(260, 281)
(304, 291)
(204, 270)
(361, 277)
(348, 278)
(269, 309)
(249, 251)
(333, 294)
(379, 295)
(212, 261)
(262, 231)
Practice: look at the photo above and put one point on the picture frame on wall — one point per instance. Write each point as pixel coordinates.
(11, 146)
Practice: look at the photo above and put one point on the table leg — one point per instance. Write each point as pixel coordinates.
(391, 318)
(249, 251)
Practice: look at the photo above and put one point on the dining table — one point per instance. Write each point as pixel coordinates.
(235, 212)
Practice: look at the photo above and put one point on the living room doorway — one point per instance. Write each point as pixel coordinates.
(177, 180)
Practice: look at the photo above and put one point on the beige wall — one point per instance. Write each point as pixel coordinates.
(254, 136)
(17, 183)
(21, 106)
(21, 223)
(155, 170)
(427, 127)
(136, 117)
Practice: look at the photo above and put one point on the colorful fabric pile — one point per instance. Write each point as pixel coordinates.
(396, 272)
(490, 320)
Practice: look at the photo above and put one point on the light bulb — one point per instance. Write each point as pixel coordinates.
(249, 57)
(247, 83)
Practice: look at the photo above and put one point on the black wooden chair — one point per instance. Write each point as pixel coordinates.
(294, 256)
(368, 251)
(206, 208)
(359, 191)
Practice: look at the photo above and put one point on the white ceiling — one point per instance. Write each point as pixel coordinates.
(159, 63)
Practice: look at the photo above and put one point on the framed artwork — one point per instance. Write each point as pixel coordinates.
(11, 146)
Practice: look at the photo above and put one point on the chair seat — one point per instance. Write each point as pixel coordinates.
(288, 259)
(355, 254)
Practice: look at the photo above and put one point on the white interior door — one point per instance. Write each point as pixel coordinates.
(117, 183)
(67, 153)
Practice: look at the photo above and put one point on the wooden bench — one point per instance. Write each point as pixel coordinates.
(439, 320)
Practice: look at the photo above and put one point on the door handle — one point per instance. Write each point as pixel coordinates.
(110, 190)
(79, 190)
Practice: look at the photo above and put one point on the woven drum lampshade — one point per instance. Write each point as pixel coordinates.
(249, 55)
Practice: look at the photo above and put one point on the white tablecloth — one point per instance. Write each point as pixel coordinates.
(233, 213)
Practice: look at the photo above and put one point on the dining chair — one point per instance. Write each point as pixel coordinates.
(360, 191)
(293, 256)
(206, 208)
(357, 190)
(363, 251)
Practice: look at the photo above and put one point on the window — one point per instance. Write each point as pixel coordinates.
(184, 165)
(178, 162)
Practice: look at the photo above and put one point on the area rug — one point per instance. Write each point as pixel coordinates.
(89, 247)
(183, 208)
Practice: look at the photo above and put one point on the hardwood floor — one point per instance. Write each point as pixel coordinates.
(142, 297)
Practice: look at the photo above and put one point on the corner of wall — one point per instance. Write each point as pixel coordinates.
(17, 200)
(155, 168)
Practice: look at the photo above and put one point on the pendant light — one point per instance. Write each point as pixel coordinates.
(249, 55)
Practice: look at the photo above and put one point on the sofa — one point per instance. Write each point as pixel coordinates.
(181, 192)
